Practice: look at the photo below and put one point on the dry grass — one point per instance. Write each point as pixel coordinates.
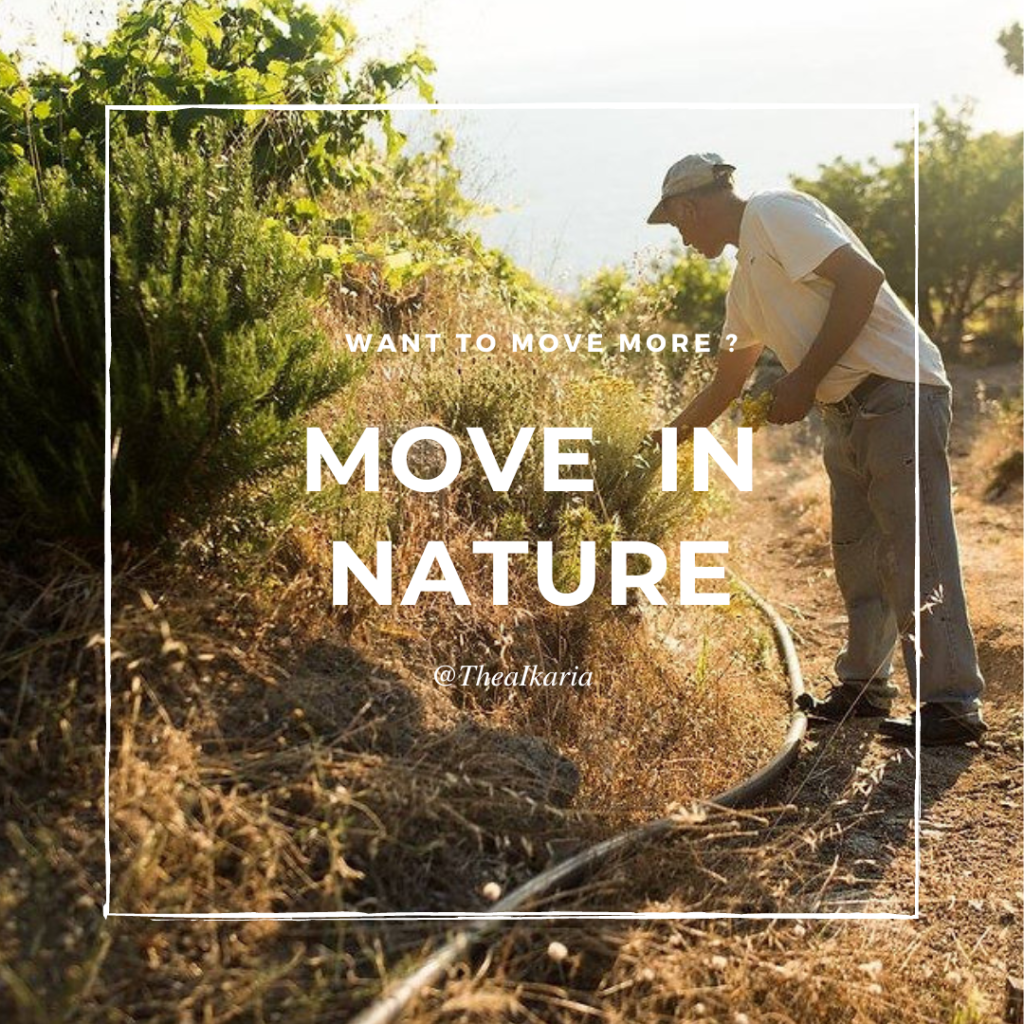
(784, 973)
(260, 764)
(730, 972)
(379, 795)
(273, 754)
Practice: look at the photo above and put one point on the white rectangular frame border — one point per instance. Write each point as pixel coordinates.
(519, 915)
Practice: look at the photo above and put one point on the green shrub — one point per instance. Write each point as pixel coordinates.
(207, 51)
(211, 365)
(216, 354)
(681, 294)
(608, 298)
(627, 500)
(692, 291)
(51, 354)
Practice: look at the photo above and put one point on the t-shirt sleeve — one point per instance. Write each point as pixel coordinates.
(735, 324)
(799, 234)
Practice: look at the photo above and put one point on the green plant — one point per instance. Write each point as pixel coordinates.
(215, 350)
(679, 294)
(626, 500)
(211, 362)
(51, 354)
(204, 51)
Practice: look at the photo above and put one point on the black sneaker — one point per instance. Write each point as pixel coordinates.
(842, 702)
(939, 726)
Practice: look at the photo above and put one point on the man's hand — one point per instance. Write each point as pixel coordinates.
(793, 398)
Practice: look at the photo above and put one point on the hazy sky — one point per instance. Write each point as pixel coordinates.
(579, 184)
(585, 181)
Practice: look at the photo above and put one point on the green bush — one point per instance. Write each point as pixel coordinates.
(627, 500)
(680, 294)
(216, 354)
(215, 351)
(207, 51)
(211, 364)
(51, 354)
(692, 292)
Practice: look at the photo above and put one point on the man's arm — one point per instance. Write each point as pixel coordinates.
(856, 281)
(731, 373)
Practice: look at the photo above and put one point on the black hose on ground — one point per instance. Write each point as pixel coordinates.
(390, 1005)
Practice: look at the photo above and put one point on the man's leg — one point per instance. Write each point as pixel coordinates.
(865, 662)
(883, 434)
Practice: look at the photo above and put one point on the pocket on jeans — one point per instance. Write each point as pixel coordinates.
(891, 397)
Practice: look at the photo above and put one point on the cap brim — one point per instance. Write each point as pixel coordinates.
(659, 215)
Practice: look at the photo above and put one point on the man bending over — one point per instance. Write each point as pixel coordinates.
(806, 287)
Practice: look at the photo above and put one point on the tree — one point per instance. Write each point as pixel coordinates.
(970, 221)
(203, 51)
(1011, 39)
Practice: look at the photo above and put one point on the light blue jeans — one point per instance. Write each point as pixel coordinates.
(869, 456)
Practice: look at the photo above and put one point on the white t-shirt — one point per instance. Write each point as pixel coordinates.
(775, 297)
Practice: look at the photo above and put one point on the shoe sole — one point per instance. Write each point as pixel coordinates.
(908, 739)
